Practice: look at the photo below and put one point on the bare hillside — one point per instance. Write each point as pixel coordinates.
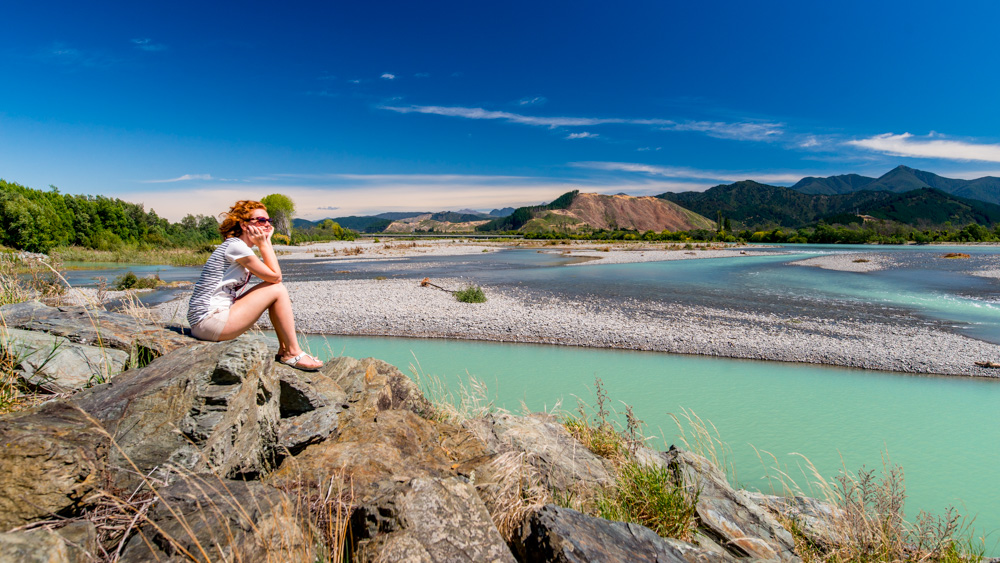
(639, 213)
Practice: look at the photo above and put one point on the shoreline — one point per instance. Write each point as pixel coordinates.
(401, 308)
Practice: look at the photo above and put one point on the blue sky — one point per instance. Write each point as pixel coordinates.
(356, 108)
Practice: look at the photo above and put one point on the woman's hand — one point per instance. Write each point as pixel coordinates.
(259, 235)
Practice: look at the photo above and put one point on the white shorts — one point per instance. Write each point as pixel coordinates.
(211, 327)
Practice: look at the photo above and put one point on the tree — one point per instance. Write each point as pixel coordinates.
(281, 209)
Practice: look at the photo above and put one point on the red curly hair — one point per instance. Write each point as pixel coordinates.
(238, 213)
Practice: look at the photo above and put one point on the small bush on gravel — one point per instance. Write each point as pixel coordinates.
(471, 294)
(129, 280)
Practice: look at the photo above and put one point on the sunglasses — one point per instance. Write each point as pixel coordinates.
(260, 220)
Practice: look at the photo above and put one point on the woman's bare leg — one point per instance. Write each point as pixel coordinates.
(272, 298)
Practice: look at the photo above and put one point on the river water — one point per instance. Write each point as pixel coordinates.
(943, 431)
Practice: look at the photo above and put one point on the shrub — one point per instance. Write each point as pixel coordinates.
(471, 294)
(129, 280)
(649, 495)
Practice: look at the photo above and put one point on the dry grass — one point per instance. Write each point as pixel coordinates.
(702, 437)
(164, 256)
(872, 522)
(512, 490)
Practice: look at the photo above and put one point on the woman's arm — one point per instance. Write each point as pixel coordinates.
(268, 269)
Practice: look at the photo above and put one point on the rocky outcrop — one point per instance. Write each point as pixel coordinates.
(74, 543)
(93, 327)
(428, 520)
(207, 518)
(727, 516)
(55, 364)
(238, 457)
(565, 535)
(563, 463)
(52, 462)
(822, 523)
(213, 407)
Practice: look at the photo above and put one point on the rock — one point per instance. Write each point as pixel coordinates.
(563, 535)
(310, 407)
(729, 517)
(397, 446)
(95, 328)
(428, 520)
(561, 460)
(55, 364)
(373, 386)
(821, 523)
(212, 407)
(52, 460)
(75, 543)
(219, 520)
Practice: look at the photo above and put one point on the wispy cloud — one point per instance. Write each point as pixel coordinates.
(742, 131)
(583, 135)
(552, 122)
(695, 174)
(388, 76)
(68, 56)
(354, 81)
(739, 131)
(422, 75)
(644, 149)
(184, 178)
(534, 101)
(147, 44)
(908, 145)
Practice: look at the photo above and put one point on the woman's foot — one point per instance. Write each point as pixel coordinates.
(301, 361)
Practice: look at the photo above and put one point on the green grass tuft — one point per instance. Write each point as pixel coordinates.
(471, 294)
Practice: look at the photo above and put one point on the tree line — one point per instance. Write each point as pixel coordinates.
(39, 220)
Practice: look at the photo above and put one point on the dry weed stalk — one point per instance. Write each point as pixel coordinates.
(512, 489)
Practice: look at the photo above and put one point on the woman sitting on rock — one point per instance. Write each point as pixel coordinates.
(222, 306)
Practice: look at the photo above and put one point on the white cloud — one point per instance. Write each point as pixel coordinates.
(930, 147)
(480, 113)
(183, 178)
(745, 131)
(742, 131)
(388, 76)
(535, 101)
(148, 45)
(644, 149)
(693, 173)
(354, 81)
(583, 135)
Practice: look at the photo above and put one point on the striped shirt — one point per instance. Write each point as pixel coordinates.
(222, 280)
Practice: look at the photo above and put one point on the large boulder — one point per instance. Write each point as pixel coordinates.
(205, 518)
(52, 462)
(563, 535)
(57, 365)
(397, 446)
(213, 407)
(820, 522)
(373, 386)
(562, 462)
(74, 543)
(93, 327)
(310, 407)
(428, 520)
(727, 516)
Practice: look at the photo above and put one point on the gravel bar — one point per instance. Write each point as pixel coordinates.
(404, 308)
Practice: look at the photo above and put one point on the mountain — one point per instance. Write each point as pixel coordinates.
(397, 215)
(574, 212)
(843, 184)
(755, 206)
(903, 179)
(501, 212)
(443, 222)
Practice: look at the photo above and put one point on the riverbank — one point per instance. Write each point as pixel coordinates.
(404, 308)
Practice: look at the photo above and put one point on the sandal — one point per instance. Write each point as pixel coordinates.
(294, 362)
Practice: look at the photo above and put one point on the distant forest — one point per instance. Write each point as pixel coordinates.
(37, 221)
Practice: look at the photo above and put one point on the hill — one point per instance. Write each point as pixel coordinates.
(903, 179)
(754, 206)
(362, 224)
(443, 222)
(573, 212)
